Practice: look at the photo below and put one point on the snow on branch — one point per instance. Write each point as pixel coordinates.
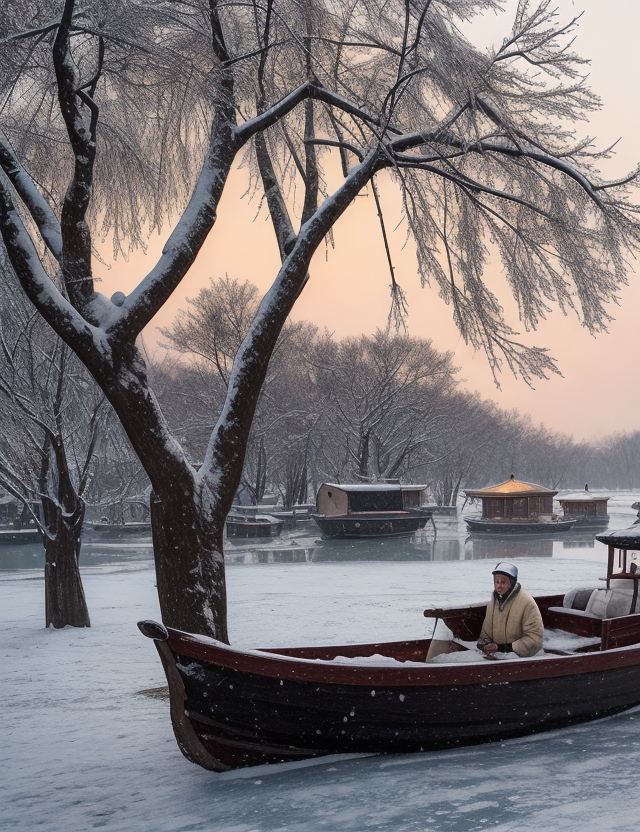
(311, 89)
(41, 290)
(36, 204)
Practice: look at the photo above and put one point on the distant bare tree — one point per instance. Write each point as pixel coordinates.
(387, 397)
(216, 323)
(209, 335)
(114, 116)
(52, 417)
(459, 452)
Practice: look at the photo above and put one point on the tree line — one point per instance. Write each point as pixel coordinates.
(369, 408)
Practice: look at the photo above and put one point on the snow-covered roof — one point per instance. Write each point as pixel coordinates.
(622, 538)
(511, 488)
(373, 486)
(585, 496)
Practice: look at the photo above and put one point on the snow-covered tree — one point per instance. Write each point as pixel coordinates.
(113, 114)
(208, 334)
(52, 416)
(387, 397)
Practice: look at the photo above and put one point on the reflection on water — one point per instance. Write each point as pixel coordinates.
(446, 540)
(578, 544)
(503, 548)
(31, 555)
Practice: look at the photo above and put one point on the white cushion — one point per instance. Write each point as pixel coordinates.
(599, 602)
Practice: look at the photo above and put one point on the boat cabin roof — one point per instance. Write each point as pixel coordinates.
(511, 488)
(585, 496)
(372, 487)
(622, 538)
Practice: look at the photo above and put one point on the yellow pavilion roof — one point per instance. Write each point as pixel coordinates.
(511, 488)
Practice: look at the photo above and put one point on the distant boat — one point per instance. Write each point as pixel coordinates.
(586, 508)
(117, 530)
(295, 516)
(11, 536)
(370, 510)
(17, 523)
(514, 507)
(292, 517)
(260, 525)
(444, 511)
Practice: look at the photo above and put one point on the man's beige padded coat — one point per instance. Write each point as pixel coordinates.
(519, 623)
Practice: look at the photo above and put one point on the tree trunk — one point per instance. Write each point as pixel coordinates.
(363, 455)
(65, 604)
(187, 530)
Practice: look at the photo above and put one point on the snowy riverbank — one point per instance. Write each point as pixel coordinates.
(82, 749)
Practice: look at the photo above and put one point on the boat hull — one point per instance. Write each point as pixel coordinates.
(252, 720)
(253, 528)
(372, 524)
(585, 521)
(501, 527)
(9, 537)
(114, 531)
(234, 708)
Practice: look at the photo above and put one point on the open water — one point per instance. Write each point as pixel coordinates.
(446, 539)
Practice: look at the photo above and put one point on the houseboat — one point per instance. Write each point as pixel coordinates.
(370, 510)
(585, 508)
(514, 507)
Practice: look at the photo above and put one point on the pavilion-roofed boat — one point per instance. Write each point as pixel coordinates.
(232, 708)
(370, 509)
(514, 507)
(586, 508)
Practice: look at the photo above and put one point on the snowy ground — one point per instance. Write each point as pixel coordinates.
(82, 750)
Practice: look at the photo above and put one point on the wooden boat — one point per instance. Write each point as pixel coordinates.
(370, 510)
(587, 509)
(115, 531)
(232, 708)
(11, 536)
(260, 525)
(514, 507)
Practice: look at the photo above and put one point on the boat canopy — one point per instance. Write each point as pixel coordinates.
(622, 538)
(511, 488)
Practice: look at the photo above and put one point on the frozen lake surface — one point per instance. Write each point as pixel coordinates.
(83, 749)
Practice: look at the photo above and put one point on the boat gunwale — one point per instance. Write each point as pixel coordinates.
(292, 668)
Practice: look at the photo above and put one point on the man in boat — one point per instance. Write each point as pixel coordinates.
(513, 623)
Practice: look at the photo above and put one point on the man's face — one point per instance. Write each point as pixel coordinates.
(501, 584)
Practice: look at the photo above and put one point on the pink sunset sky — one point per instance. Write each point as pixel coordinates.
(598, 393)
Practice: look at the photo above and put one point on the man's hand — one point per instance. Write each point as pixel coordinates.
(490, 649)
